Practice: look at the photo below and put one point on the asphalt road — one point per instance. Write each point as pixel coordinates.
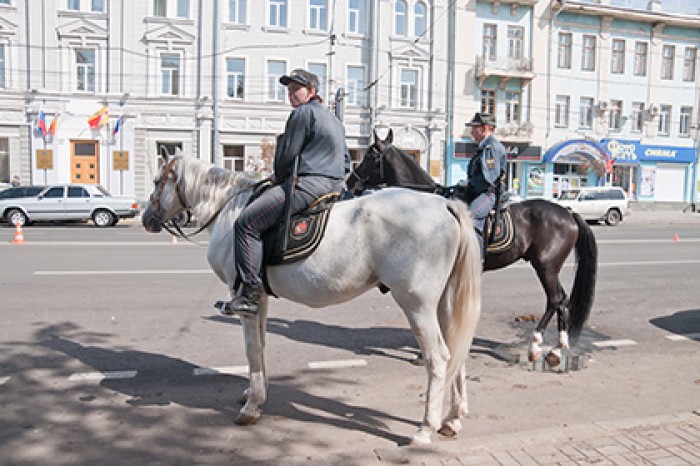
(110, 353)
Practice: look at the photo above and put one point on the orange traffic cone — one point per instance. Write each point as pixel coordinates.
(19, 236)
(675, 237)
(173, 240)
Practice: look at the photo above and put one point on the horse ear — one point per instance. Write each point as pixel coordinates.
(389, 137)
(164, 153)
(376, 136)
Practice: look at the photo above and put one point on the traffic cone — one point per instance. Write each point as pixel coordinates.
(174, 240)
(675, 237)
(19, 236)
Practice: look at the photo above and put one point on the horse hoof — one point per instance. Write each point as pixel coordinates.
(447, 431)
(553, 359)
(422, 437)
(244, 419)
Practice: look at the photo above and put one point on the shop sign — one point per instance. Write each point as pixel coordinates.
(467, 150)
(634, 152)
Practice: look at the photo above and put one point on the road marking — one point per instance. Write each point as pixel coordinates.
(609, 343)
(337, 364)
(110, 375)
(230, 370)
(46, 273)
(103, 243)
(4, 380)
(643, 241)
(684, 337)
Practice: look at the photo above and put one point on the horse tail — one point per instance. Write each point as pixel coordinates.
(583, 291)
(461, 301)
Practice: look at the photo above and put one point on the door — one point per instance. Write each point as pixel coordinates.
(77, 203)
(84, 167)
(48, 206)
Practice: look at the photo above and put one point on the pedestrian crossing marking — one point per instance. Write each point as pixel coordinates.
(611, 343)
(228, 370)
(107, 375)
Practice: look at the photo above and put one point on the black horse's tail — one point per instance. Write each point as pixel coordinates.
(581, 299)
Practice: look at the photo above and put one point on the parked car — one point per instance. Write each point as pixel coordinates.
(609, 203)
(69, 202)
(21, 191)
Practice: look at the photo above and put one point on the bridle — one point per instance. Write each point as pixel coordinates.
(360, 185)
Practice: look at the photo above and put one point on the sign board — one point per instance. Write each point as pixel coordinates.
(120, 160)
(435, 168)
(44, 159)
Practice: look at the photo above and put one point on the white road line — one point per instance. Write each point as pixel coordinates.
(4, 380)
(103, 375)
(609, 343)
(46, 273)
(643, 241)
(684, 337)
(101, 243)
(230, 370)
(337, 364)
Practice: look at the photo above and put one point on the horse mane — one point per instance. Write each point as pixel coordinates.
(406, 171)
(207, 188)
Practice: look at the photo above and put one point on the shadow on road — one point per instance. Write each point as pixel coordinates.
(680, 323)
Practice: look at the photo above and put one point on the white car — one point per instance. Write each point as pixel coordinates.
(70, 202)
(602, 203)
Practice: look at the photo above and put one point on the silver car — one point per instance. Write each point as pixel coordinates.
(70, 202)
(604, 203)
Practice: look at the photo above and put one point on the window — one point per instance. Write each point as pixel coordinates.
(513, 107)
(234, 157)
(585, 118)
(73, 5)
(2, 67)
(637, 116)
(165, 8)
(686, 118)
(561, 111)
(275, 70)
(355, 85)
(689, 60)
(318, 15)
(420, 19)
(85, 70)
(5, 167)
(98, 5)
(615, 122)
(54, 192)
(618, 56)
(400, 18)
(237, 11)
(357, 16)
(515, 42)
(640, 58)
(488, 101)
(409, 89)
(664, 120)
(170, 147)
(589, 53)
(564, 60)
(170, 72)
(277, 13)
(319, 69)
(489, 47)
(235, 78)
(667, 56)
(77, 191)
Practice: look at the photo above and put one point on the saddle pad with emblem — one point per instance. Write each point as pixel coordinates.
(305, 233)
(503, 235)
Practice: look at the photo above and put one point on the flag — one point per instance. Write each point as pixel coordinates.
(54, 124)
(41, 123)
(99, 118)
(118, 125)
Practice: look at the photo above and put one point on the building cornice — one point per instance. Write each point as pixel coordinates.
(617, 12)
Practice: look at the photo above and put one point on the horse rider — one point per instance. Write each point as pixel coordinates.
(315, 139)
(484, 172)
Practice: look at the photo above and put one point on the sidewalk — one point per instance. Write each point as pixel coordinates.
(660, 217)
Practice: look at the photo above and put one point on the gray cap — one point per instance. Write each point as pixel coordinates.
(481, 119)
(303, 77)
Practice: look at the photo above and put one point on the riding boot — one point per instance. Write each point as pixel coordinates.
(247, 303)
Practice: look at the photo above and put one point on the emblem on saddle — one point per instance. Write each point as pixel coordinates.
(306, 231)
(500, 235)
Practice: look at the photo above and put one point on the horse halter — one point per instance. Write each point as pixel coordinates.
(160, 186)
(362, 180)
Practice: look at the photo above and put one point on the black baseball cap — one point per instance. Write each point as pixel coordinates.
(481, 119)
(303, 77)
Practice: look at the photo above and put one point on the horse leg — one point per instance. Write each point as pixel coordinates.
(256, 393)
(555, 296)
(553, 358)
(459, 407)
(435, 352)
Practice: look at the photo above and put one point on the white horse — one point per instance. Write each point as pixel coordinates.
(422, 247)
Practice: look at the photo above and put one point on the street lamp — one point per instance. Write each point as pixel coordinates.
(695, 135)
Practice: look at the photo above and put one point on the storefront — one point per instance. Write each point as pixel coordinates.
(571, 164)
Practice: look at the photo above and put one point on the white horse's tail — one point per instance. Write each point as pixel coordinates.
(460, 306)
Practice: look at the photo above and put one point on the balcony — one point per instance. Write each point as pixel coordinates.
(504, 70)
(515, 133)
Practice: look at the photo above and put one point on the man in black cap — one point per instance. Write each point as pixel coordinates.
(315, 140)
(483, 172)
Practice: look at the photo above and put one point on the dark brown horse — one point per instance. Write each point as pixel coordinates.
(545, 233)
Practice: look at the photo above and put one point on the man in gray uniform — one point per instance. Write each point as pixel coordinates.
(483, 172)
(315, 139)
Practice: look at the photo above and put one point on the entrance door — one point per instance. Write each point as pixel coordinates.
(84, 166)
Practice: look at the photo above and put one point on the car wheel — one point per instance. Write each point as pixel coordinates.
(183, 218)
(16, 216)
(613, 217)
(103, 218)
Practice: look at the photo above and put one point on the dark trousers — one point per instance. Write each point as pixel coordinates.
(266, 212)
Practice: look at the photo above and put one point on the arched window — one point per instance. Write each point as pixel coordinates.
(420, 19)
(401, 17)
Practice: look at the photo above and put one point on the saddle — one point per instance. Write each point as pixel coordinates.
(499, 236)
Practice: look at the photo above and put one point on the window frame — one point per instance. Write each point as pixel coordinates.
(355, 87)
(589, 53)
(3, 66)
(420, 30)
(85, 66)
(409, 92)
(690, 64)
(667, 61)
(562, 110)
(564, 49)
(489, 49)
(275, 92)
(401, 18)
(585, 115)
(615, 115)
(617, 56)
(322, 77)
(513, 103)
(641, 58)
(315, 15)
(685, 120)
(235, 79)
(516, 42)
(281, 8)
(175, 84)
(637, 117)
(357, 17)
(488, 101)
(664, 125)
(237, 8)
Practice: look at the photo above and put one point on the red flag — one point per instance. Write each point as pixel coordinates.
(99, 118)
(54, 124)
